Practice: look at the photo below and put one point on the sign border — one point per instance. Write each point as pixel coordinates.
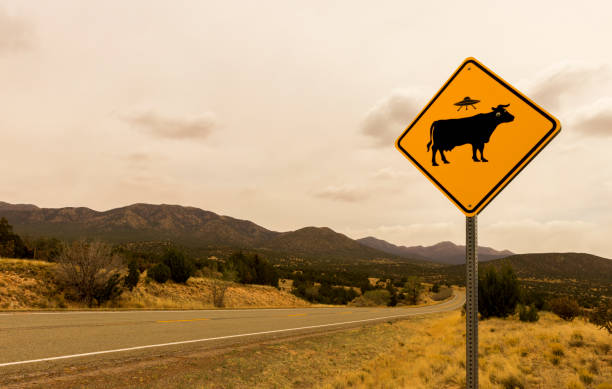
(475, 210)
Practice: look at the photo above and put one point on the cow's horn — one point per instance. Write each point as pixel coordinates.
(504, 105)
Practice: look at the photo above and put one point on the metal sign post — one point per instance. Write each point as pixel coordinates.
(488, 143)
(471, 302)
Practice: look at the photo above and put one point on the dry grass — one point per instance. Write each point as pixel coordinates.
(29, 284)
(197, 294)
(26, 284)
(549, 354)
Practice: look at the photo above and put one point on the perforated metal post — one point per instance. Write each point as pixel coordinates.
(471, 303)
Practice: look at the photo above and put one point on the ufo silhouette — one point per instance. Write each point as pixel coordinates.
(466, 102)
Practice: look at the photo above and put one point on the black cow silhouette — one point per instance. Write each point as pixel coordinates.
(475, 130)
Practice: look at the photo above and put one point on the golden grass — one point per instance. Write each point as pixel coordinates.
(24, 285)
(29, 284)
(197, 294)
(548, 354)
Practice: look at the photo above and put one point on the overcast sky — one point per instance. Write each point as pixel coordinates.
(285, 112)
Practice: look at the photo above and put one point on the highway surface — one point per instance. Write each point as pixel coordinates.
(30, 339)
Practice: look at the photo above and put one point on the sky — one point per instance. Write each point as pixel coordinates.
(285, 113)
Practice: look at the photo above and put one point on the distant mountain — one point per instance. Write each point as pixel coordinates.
(138, 222)
(443, 252)
(188, 226)
(555, 266)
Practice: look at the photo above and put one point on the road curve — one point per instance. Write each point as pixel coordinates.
(35, 337)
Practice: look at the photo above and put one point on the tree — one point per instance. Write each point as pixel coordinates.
(11, 244)
(90, 271)
(181, 267)
(602, 315)
(131, 279)
(412, 289)
(498, 293)
(393, 295)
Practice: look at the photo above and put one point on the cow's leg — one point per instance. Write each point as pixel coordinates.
(474, 157)
(434, 149)
(482, 158)
(443, 157)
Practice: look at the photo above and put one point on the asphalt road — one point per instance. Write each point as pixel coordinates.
(40, 338)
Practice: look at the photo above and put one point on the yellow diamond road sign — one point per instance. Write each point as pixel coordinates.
(475, 135)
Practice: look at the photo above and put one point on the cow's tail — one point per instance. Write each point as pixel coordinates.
(430, 135)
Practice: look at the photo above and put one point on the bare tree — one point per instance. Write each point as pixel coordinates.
(91, 270)
(218, 288)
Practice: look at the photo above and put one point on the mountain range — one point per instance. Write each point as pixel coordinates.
(200, 229)
(443, 252)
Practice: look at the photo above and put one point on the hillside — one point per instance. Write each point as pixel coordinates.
(443, 252)
(137, 222)
(322, 243)
(28, 284)
(194, 228)
(583, 276)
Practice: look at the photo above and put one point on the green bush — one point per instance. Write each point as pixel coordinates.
(160, 273)
(131, 279)
(442, 294)
(528, 313)
(602, 315)
(565, 307)
(108, 291)
(181, 267)
(498, 293)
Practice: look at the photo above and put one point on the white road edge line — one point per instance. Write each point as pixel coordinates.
(216, 338)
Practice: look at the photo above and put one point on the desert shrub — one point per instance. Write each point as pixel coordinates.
(109, 290)
(412, 289)
(442, 294)
(131, 279)
(378, 296)
(160, 273)
(512, 382)
(498, 293)
(557, 349)
(585, 377)
(435, 288)
(576, 339)
(602, 315)
(181, 267)
(565, 307)
(89, 271)
(528, 313)
(218, 289)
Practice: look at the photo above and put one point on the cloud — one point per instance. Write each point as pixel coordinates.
(174, 128)
(139, 157)
(550, 236)
(345, 193)
(566, 79)
(16, 33)
(389, 117)
(389, 173)
(594, 119)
